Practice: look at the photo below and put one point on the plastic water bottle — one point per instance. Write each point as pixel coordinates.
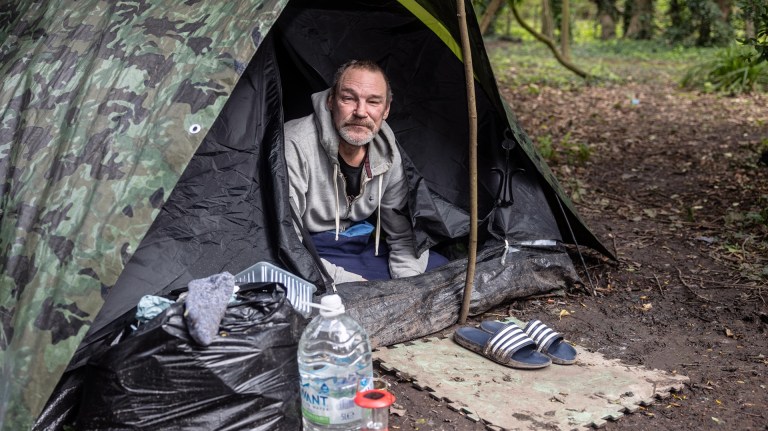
(334, 364)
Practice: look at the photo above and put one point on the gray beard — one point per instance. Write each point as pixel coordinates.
(356, 142)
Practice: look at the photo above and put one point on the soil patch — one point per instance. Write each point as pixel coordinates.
(671, 181)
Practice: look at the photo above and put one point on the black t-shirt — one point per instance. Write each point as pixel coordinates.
(352, 177)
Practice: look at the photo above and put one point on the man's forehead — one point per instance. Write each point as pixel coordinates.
(363, 81)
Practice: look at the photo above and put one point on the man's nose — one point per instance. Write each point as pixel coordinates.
(361, 110)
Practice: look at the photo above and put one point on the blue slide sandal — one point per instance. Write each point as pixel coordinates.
(548, 341)
(508, 346)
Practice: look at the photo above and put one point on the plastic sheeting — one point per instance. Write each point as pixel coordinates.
(159, 378)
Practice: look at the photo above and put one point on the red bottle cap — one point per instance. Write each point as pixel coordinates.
(374, 399)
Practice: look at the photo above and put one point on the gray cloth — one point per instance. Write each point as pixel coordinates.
(311, 150)
(206, 304)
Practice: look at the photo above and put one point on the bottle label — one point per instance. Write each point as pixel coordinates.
(331, 401)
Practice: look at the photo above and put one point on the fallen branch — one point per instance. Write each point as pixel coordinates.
(733, 285)
(550, 44)
(658, 284)
(490, 13)
(690, 289)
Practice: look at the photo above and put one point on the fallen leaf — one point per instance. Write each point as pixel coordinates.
(728, 333)
(564, 313)
(398, 412)
(647, 307)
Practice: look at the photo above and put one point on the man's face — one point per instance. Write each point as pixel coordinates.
(359, 106)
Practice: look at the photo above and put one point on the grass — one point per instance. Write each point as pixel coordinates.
(617, 61)
(731, 70)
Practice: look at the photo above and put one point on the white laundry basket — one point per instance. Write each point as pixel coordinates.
(298, 290)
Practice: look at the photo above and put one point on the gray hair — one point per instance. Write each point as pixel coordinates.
(368, 65)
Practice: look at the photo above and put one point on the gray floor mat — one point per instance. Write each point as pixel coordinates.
(585, 394)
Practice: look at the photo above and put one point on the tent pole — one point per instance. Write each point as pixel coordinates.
(468, 71)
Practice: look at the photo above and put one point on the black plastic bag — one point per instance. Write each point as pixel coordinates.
(159, 378)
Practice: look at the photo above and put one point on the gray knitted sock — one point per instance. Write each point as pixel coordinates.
(206, 304)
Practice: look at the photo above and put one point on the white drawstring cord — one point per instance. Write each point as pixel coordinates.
(378, 220)
(336, 190)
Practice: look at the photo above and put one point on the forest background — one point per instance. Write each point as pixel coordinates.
(734, 31)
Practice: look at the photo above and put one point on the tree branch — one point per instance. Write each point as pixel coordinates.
(549, 42)
(490, 12)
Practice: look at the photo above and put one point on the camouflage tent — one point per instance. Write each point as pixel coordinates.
(140, 147)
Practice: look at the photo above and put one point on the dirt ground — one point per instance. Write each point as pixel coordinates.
(671, 181)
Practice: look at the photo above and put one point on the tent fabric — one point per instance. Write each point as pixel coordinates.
(103, 105)
(141, 147)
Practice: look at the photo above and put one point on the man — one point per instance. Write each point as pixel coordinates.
(344, 166)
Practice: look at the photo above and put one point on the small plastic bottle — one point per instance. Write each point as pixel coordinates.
(334, 358)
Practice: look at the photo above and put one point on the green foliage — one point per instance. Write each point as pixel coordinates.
(566, 151)
(697, 23)
(756, 11)
(575, 153)
(730, 70)
(544, 145)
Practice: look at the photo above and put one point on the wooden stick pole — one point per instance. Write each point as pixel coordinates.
(471, 105)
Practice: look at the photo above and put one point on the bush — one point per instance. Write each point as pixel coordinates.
(732, 70)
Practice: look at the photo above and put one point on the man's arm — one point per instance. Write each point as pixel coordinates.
(403, 261)
(297, 180)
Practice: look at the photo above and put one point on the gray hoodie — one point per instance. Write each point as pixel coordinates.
(317, 188)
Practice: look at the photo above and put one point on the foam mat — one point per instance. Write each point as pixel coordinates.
(586, 394)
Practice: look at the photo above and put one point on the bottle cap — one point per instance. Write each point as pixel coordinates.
(374, 399)
(331, 306)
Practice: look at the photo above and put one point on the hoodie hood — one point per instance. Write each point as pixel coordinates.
(381, 150)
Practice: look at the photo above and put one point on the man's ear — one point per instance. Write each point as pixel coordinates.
(328, 101)
(386, 113)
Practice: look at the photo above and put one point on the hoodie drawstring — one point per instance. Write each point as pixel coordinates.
(378, 220)
(336, 190)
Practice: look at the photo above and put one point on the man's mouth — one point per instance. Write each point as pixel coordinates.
(364, 126)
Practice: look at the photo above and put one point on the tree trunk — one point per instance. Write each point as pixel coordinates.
(606, 18)
(675, 13)
(547, 21)
(726, 7)
(489, 15)
(705, 33)
(641, 22)
(749, 28)
(607, 26)
(565, 30)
